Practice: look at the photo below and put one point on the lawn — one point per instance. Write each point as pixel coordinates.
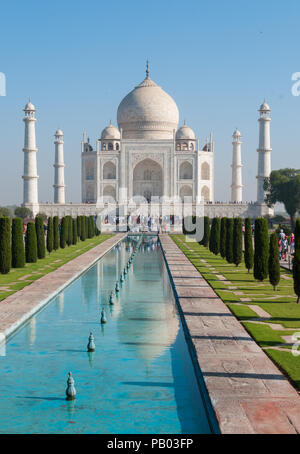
(252, 301)
(18, 278)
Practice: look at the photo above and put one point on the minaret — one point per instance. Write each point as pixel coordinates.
(59, 166)
(30, 177)
(264, 150)
(236, 187)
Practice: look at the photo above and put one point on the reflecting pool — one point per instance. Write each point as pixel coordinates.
(140, 379)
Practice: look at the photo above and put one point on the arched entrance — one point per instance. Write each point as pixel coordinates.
(148, 179)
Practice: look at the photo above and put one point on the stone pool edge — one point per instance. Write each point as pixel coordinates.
(248, 393)
(13, 317)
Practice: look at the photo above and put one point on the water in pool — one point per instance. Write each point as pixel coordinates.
(140, 379)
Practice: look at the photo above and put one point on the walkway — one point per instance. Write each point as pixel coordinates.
(19, 307)
(249, 394)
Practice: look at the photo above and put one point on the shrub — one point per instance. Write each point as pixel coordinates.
(63, 232)
(17, 244)
(40, 237)
(83, 229)
(248, 256)
(23, 212)
(223, 238)
(49, 241)
(91, 231)
(5, 245)
(296, 263)
(79, 226)
(86, 220)
(206, 235)
(75, 235)
(261, 249)
(274, 264)
(55, 233)
(237, 241)
(31, 243)
(69, 230)
(229, 240)
(214, 241)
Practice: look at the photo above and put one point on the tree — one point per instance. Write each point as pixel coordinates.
(237, 241)
(17, 244)
(55, 233)
(248, 256)
(79, 226)
(82, 229)
(23, 213)
(31, 243)
(223, 238)
(206, 235)
(43, 216)
(284, 186)
(69, 230)
(261, 249)
(5, 212)
(63, 232)
(91, 232)
(40, 237)
(214, 241)
(5, 245)
(75, 235)
(229, 240)
(296, 263)
(50, 238)
(274, 264)
(86, 220)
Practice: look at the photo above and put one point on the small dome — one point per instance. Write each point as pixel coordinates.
(29, 106)
(185, 132)
(265, 107)
(59, 132)
(237, 133)
(110, 133)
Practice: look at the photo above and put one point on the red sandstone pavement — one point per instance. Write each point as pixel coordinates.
(248, 393)
(19, 307)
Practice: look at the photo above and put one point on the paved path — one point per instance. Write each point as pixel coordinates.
(17, 308)
(249, 394)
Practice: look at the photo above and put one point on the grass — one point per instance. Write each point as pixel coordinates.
(19, 278)
(239, 284)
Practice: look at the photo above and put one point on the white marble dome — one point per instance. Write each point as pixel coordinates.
(110, 133)
(185, 133)
(265, 107)
(29, 106)
(148, 112)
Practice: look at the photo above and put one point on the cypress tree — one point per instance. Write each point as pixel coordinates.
(82, 228)
(63, 232)
(237, 241)
(261, 249)
(31, 243)
(40, 237)
(55, 233)
(223, 238)
(91, 227)
(206, 236)
(5, 245)
(75, 235)
(17, 244)
(70, 230)
(79, 226)
(229, 240)
(49, 241)
(296, 262)
(86, 220)
(274, 264)
(214, 241)
(248, 256)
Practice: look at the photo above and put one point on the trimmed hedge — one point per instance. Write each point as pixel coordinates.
(63, 232)
(74, 231)
(70, 230)
(55, 233)
(206, 236)
(274, 264)
(237, 241)
(31, 243)
(50, 240)
(17, 244)
(296, 264)
(214, 241)
(82, 229)
(261, 249)
(223, 238)
(229, 240)
(40, 237)
(5, 245)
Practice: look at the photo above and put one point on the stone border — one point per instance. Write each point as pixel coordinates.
(247, 391)
(16, 309)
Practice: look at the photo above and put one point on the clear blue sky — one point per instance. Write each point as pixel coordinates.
(217, 59)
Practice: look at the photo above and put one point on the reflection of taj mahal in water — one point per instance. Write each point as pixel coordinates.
(147, 156)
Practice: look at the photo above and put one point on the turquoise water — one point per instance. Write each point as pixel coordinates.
(140, 379)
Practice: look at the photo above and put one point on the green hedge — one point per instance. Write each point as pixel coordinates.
(5, 245)
(17, 244)
(248, 255)
(261, 249)
(31, 243)
(40, 237)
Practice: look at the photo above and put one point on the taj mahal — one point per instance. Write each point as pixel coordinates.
(147, 157)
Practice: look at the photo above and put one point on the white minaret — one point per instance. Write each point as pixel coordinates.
(59, 169)
(264, 150)
(30, 177)
(236, 187)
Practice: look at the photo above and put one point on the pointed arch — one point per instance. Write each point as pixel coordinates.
(205, 171)
(186, 171)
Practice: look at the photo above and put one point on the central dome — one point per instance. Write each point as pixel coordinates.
(148, 112)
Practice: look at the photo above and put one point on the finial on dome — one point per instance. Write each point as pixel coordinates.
(184, 122)
(147, 69)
